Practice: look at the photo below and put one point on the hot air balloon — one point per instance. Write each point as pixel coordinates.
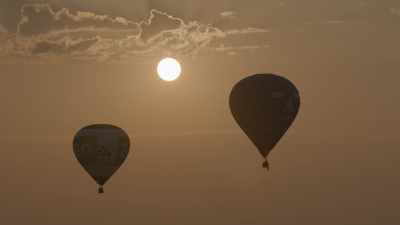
(101, 149)
(264, 106)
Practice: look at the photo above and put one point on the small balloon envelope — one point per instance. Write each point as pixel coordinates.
(264, 106)
(101, 149)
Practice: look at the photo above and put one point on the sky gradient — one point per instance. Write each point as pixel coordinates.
(68, 64)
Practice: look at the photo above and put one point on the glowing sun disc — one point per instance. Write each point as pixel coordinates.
(169, 69)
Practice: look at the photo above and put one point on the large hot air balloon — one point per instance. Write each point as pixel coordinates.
(264, 106)
(101, 149)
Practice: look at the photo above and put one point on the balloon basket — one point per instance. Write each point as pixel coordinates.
(266, 164)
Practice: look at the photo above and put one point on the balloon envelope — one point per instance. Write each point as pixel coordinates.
(264, 106)
(101, 149)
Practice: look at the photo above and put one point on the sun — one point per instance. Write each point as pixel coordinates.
(169, 69)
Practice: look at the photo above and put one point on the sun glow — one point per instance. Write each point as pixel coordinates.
(169, 69)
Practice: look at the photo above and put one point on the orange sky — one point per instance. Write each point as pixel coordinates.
(189, 161)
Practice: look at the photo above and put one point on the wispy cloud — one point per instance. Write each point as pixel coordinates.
(228, 14)
(43, 31)
(41, 18)
(328, 22)
(233, 50)
(250, 30)
(224, 48)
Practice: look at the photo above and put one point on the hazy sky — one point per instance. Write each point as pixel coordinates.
(66, 64)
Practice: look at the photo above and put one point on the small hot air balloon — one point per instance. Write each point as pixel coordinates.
(101, 149)
(264, 106)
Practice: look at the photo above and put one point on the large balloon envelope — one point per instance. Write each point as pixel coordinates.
(264, 106)
(101, 149)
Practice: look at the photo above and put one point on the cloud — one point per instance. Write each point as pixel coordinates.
(233, 50)
(228, 14)
(157, 23)
(62, 46)
(328, 22)
(224, 48)
(250, 30)
(41, 18)
(86, 35)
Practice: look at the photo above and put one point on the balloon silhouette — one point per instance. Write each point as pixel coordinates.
(101, 149)
(264, 106)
